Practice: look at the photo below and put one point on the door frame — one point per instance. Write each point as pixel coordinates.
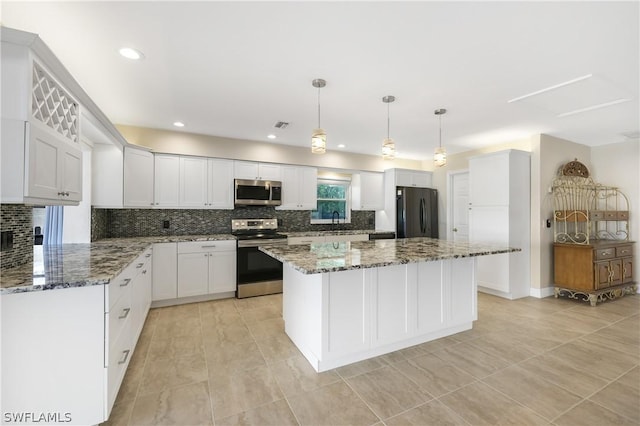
(450, 176)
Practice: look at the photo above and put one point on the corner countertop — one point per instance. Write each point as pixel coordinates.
(333, 257)
(81, 265)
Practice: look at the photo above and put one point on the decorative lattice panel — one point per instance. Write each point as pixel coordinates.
(52, 105)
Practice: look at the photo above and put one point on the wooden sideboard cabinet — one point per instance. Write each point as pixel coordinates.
(597, 271)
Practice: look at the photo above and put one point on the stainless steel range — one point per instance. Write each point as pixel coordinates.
(257, 273)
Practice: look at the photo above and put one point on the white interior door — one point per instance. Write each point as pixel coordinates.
(459, 205)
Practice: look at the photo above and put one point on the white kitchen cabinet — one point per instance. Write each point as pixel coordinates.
(90, 332)
(257, 171)
(367, 190)
(166, 180)
(165, 271)
(206, 267)
(499, 213)
(106, 176)
(416, 178)
(54, 171)
(299, 188)
(138, 177)
(220, 187)
(40, 144)
(193, 182)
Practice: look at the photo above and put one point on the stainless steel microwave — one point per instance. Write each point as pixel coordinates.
(258, 192)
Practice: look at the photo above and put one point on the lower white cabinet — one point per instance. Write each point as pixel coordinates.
(165, 271)
(206, 267)
(65, 351)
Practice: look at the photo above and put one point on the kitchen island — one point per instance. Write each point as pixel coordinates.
(350, 301)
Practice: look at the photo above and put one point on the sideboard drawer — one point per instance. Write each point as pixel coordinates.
(623, 251)
(605, 253)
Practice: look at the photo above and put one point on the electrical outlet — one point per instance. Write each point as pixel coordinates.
(166, 224)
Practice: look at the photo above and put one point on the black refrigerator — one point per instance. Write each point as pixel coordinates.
(416, 212)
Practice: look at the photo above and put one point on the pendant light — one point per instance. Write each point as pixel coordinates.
(440, 155)
(319, 136)
(388, 145)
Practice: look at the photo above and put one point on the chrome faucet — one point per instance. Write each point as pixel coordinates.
(333, 218)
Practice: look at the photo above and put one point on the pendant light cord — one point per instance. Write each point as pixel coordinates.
(440, 117)
(388, 121)
(319, 126)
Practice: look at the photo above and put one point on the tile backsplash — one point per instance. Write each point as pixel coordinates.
(116, 223)
(17, 219)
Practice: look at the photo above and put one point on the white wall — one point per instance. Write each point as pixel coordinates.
(172, 142)
(77, 219)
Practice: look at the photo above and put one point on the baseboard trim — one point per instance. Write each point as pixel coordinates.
(541, 293)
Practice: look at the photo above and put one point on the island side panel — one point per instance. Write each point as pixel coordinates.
(54, 340)
(338, 318)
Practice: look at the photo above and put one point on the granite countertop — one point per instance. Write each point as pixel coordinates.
(337, 232)
(331, 257)
(80, 265)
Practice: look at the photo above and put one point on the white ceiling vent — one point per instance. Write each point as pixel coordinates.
(281, 125)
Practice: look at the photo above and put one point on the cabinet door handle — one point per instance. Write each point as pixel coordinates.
(144, 271)
(126, 356)
(125, 313)
(125, 282)
(139, 265)
(209, 246)
(147, 255)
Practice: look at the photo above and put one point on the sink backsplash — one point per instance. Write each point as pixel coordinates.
(118, 223)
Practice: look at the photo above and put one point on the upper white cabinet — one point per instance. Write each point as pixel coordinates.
(499, 213)
(367, 191)
(299, 188)
(220, 187)
(257, 171)
(138, 177)
(416, 178)
(166, 175)
(193, 182)
(106, 176)
(40, 147)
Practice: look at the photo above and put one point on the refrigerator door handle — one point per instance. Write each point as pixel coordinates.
(422, 208)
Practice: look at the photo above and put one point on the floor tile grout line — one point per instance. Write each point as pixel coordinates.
(362, 399)
(588, 398)
(206, 364)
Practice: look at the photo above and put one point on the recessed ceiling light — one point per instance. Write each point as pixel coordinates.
(341, 145)
(548, 89)
(131, 53)
(178, 124)
(272, 136)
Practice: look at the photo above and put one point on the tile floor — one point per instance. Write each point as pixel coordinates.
(529, 361)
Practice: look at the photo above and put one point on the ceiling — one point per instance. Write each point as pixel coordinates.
(234, 69)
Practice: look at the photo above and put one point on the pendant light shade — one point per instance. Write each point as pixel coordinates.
(319, 136)
(440, 154)
(388, 145)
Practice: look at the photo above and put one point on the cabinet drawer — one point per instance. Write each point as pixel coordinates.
(623, 215)
(611, 215)
(122, 283)
(120, 353)
(119, 314)
(624, 251)
(605, 253)
(206, 246)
